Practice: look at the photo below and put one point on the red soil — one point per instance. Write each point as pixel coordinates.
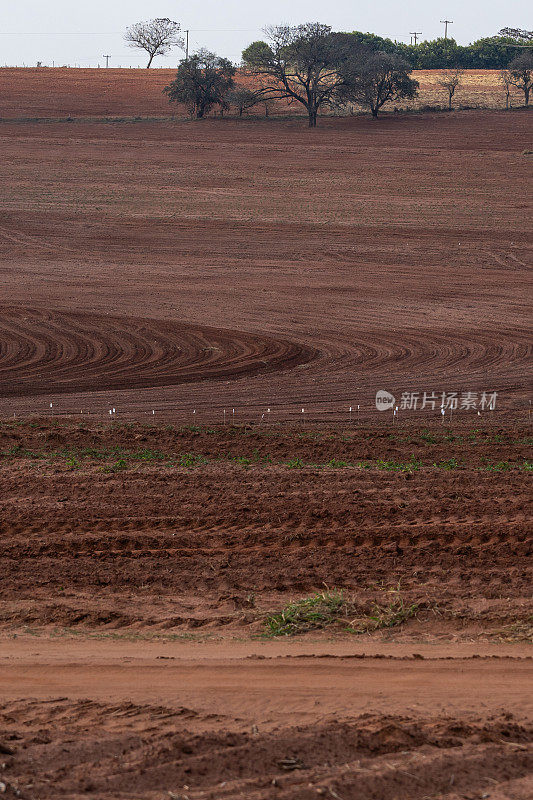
(62, 92)
(195, 267)
(409, 276)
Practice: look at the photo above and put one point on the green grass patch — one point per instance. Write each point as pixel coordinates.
(330, 608)
(311, 613)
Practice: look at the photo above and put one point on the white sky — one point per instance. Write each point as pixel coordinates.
(75, 33)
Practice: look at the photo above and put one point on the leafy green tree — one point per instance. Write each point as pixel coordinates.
(493, 52)
(378, 79)
(438, 54)
(201, 82)
(373, 42)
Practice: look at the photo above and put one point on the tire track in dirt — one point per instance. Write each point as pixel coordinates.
(145, 749)
(57, 352)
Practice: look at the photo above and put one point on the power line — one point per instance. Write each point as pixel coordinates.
(416, 34)
(115, 33)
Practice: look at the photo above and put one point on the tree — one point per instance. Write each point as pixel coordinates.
(202, 82)
(157, 37)
(450, 80)
(518, 34)
(242, 98)
(439, 53)
(520, 72)
(376, 80)
(505, 80)
(298, 63)
(374, 42)
(492, 52)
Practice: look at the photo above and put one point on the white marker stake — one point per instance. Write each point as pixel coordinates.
(442, 411)
(153, 413)
(224, 416)
(350, 415)
(233, 415)
(114, 412)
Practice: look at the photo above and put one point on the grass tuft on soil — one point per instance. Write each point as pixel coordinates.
(330, 608)
(311, 613)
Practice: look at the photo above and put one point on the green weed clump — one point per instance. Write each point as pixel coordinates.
(311, 613)
(191, 460)
(413, 465)
(118, 466)
(448, 463)
(329, 608)
(295, 463)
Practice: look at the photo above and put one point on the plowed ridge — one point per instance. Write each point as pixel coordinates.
(57, 352)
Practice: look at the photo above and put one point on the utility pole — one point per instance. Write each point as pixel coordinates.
(186, 45)
(446, 22)
(106, 60)
(416, 34)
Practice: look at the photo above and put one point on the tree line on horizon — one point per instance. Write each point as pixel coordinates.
(491, 52)
(315, 67)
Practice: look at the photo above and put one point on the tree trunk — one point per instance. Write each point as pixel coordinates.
(150, 61)
(312, 117)
(375, 112)
(526, 95)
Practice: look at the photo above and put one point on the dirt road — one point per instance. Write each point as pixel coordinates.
(104, 718)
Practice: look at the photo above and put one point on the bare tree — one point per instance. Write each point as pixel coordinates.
(450, 80)
(520, 73)
(505, 80)
(157, 37)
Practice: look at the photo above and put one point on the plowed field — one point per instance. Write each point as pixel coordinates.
(292, 604)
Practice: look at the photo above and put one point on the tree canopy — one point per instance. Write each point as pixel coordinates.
(520, 73)
(157, 37)
(379, 79)
(492, 52)
(299, 63)
(201, 82)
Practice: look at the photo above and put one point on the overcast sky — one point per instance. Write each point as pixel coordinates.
(70, 32)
